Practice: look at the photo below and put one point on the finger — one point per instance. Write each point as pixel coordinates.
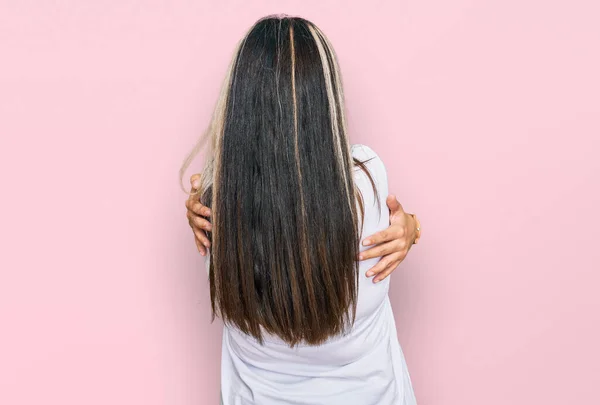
(201, 237)
(195, 181)
(385, 273)
(198, 222)
(199, 234)
(201, 248)
(197, 208)
(393, 258)
(390, 233)
(196, 184)
(380, 266)
(393, 203)
(379, 250)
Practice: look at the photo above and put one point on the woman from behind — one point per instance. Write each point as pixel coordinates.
(303, 323)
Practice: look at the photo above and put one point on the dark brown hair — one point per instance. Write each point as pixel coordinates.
(279, 181)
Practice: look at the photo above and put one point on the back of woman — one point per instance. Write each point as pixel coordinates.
(363, 367)
(290, 199)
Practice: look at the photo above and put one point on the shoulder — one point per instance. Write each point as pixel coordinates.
(372, 181)
(374, 165)
(369, 157)
(363, 152)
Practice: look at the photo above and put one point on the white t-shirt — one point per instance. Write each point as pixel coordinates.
(364, 367)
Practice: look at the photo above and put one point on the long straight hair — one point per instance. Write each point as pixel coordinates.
(278, 179)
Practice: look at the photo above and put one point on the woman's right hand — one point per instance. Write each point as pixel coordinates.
(197, 215)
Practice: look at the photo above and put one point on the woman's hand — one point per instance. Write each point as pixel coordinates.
(392, 244)
(197, 214)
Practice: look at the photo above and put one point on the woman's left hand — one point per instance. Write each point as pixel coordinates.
(392, 244)
(197, 215)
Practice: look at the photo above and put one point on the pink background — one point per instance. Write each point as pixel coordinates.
(485, 112)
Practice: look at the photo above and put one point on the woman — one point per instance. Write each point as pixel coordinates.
(289, 200)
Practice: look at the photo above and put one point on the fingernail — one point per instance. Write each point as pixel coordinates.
(377, 281)
(207, 244)
(367, 242)
(196, 184)
(360, 257)
(369, 273)
(202, 253)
